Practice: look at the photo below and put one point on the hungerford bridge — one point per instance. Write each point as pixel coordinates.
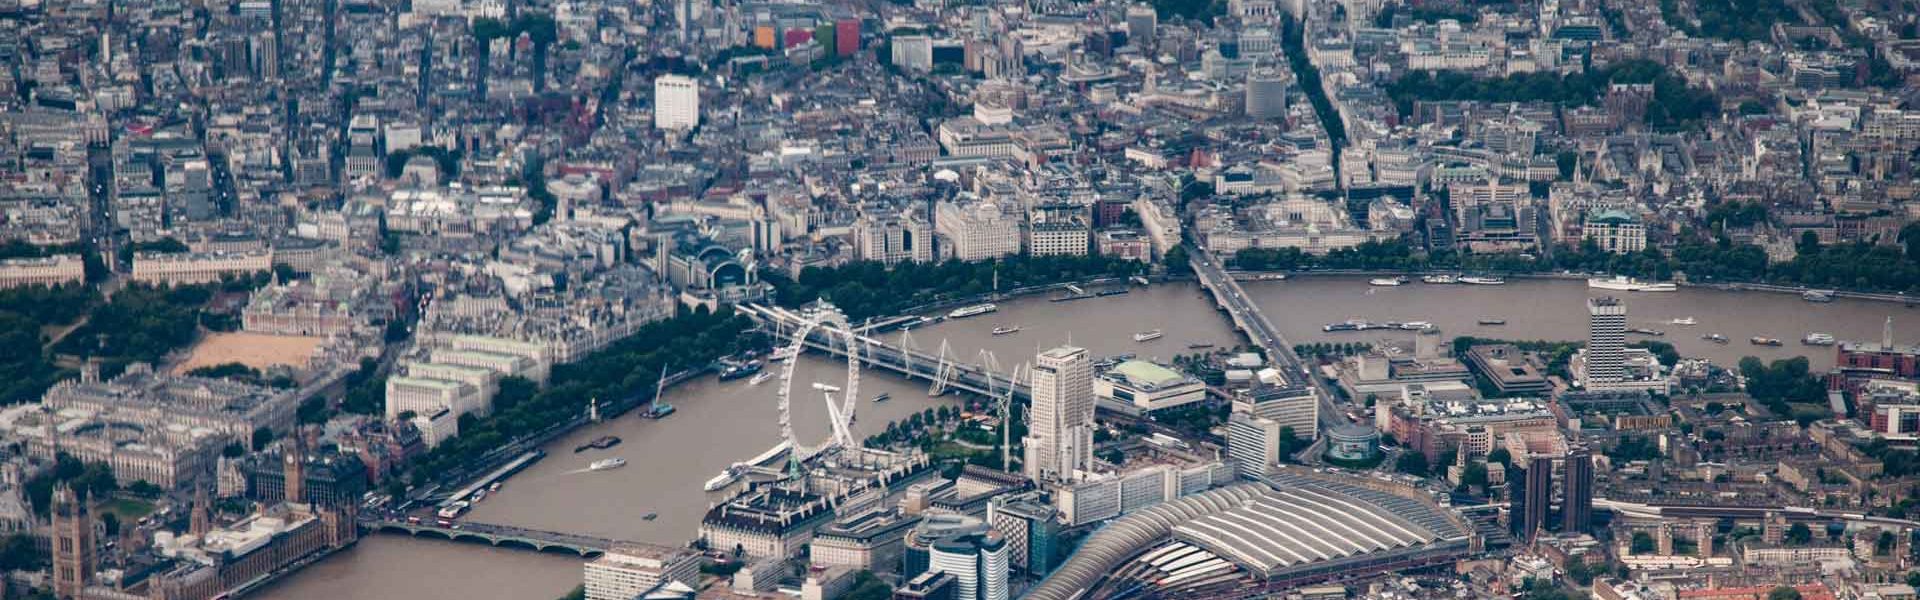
(943, 370)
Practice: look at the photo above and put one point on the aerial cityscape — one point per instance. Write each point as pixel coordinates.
(925, 300)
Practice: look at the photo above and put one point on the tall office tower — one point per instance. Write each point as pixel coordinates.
(676, 102)
(978, 563)
(1295, 407)
(72, 543)
(1266, 93)
(1576, 500)
(1606, 343)
(1539, 497)
(846, 37)
(685, 12)
(1253, 443)
(1030, 526)
(1060, 423)
(1141, 22)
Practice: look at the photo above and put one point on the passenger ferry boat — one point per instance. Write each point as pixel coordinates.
(737, 371)
(1715, 338)
(972, 311)
(1475, 280)
(1387, 281)
(1147, 336)
(1416, 326)
(1685, 321)
(1818, 296)
(1440, 279)
(1351, 325)
(453, 511)
(1624, 283)
(1818, 339)
(607, 464)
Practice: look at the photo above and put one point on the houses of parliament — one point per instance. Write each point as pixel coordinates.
(210, 559)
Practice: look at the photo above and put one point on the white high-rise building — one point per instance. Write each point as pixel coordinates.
(1267, 93)
(1606, 355)
(1253, 443)
(978, 563)
(1060, 425)
(913, 52)
(1295, 407)
(676, 102)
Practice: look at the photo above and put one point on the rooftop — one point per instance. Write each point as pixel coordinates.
(1147, 375)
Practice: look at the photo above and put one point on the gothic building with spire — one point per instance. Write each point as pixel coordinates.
(212, 560)
(73, 543)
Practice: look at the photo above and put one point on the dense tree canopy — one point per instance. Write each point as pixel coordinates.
(142, 323)
(25, 370)
(1854, 266)
(870, 289)
(1293, 43)
(1196, 10)
(1674, 104)
(1738, 20)
(92, 479)
(1782, 382)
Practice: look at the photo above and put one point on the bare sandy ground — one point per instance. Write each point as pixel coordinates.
(257, 350)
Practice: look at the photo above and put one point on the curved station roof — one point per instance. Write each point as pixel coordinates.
(1292, 527)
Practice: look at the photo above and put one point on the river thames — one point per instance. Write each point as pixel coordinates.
(719, 423)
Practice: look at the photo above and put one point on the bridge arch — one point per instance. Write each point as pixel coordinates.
(425, 532)
(519, 543)
(475, 537)
(562, 549)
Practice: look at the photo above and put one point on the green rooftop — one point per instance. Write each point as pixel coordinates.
(1146, 374)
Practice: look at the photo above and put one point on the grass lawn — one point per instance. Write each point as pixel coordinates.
(127, 509)
(947, 449)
